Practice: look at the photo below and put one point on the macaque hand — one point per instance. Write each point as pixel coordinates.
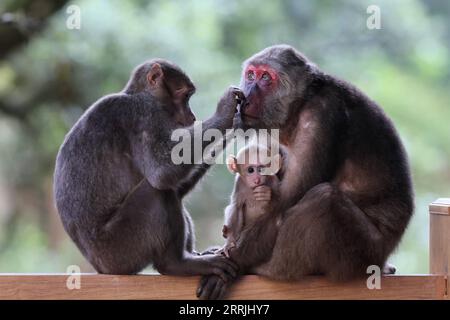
(227, 106)
(212, 288)
(262, 193)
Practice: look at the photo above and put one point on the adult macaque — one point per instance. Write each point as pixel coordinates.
(119, 194)
(249, 201)
(346, 196)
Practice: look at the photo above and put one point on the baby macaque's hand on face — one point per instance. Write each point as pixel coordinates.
(262, 193)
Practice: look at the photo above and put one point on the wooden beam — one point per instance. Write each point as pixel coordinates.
(98, 287)
(440, 238)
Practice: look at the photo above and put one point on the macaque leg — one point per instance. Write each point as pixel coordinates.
(129, 240)
(190, 239)
(325, 233)
(150, 227)
(389, 268)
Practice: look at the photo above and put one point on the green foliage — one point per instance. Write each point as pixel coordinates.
(404, 67)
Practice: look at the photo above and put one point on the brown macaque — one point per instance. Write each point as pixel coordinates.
(346, 197)
(255, 189)
(117, 190)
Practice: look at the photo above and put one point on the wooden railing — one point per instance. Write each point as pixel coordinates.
(94, 286)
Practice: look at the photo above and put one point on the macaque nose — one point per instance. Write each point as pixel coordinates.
(257, 181)
(191, 118)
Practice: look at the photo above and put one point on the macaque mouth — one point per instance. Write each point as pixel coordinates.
(245, 107)
(256, 185)
(250, 116)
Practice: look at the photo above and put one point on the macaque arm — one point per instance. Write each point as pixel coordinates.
(190, 182)
(199, 170)
(234, 218)
(152, 142)
(312, 154)
(152, 155)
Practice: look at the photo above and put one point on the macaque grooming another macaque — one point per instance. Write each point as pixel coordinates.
(251, 198)
(117, 190)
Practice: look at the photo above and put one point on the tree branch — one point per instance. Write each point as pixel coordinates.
(18, 26)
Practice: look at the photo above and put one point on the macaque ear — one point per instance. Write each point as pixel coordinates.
(232, 164)
(155, 75)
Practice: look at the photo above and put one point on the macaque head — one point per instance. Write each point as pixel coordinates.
(254, 165)
(271, 81)
(168, 84)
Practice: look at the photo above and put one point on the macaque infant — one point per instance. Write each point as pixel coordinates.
(255, 186)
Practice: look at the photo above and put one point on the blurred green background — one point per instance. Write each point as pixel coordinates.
(49, 74)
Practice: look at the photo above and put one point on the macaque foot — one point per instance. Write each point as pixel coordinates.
(389, 268)
(211, 288)
(201, 265)
(218, 265)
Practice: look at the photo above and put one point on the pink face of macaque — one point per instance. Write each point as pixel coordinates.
(252, 175)
(255, 171)
(259, 81)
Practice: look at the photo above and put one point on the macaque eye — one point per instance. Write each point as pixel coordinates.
(189, 94)
(266, 77)
(251, 76)
(250, 170)
(260, 169)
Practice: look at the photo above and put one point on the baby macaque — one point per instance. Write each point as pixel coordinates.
(255, 185)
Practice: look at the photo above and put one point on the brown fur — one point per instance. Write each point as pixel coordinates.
(347, 195)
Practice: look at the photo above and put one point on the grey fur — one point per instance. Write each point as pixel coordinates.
(116, 189)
